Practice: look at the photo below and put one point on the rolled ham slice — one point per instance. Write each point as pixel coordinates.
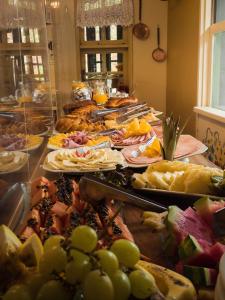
(187, 146)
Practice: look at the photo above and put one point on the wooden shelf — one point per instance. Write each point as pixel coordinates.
(21, 47)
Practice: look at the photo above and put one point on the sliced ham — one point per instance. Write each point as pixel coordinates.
(187, 145)
(119, 140)
(76, 140)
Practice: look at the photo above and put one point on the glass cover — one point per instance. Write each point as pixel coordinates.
(26, 106)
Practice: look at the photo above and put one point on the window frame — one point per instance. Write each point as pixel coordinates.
(208, 29)
(124, 45)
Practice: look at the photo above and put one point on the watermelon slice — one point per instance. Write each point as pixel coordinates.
(200, 276)
(196, 253)
(216, 252)
(189, 248)
(182, 223)
(205, 207)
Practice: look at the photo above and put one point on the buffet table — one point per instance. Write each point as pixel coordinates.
(61, 154)
(149, 242)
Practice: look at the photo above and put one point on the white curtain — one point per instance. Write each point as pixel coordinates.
(21, 13)
(91, 13)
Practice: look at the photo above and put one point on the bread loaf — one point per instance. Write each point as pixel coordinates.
(120, 102)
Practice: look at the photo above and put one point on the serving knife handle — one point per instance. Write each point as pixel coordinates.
(93, 190)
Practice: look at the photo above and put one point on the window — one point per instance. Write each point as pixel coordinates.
(104, 52)
(22, 35)
(212, 55)
(33, 65)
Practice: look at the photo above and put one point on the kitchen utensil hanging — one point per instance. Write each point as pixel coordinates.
(159, 54)
(141, 30)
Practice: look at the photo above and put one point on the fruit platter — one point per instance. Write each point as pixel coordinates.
(70, 249)
(193, 239)
(180, 179)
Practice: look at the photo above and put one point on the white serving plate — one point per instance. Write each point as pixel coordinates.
(137, 166)
(52, 147)
(18, 167)
(51, 156)
(76, 171)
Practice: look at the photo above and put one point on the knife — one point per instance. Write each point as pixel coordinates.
(93, 189)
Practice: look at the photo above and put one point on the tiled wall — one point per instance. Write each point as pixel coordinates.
(212, 133)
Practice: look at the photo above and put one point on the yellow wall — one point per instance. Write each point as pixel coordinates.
(183, 32)
(149, 77)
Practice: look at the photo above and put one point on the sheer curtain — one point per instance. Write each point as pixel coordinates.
(92, 13)
(21, 13)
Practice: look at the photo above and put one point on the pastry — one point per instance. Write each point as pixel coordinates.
(86, 109)
(68, 108)
(120, 102)
(112, 116)
(77, 123)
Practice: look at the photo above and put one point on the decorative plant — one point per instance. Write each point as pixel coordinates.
(171, 134)
(218, 183)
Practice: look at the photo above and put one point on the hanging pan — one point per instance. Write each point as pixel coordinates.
(141, 30)
(159, 54)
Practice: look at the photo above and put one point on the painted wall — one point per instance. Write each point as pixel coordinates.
(149, 77)
(183, 33)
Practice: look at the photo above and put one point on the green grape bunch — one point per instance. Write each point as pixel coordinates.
(76, 268)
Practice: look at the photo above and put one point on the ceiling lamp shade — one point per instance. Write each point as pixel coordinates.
(91, 13)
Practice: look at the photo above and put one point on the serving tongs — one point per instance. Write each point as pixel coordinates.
(98, 114)
(12, 115)
(93, 189)
(132, 115)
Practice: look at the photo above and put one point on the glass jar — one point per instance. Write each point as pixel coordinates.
(100, 93)
(80, 91)
(23, 93)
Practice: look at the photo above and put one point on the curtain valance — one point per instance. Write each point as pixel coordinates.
(91, 13)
